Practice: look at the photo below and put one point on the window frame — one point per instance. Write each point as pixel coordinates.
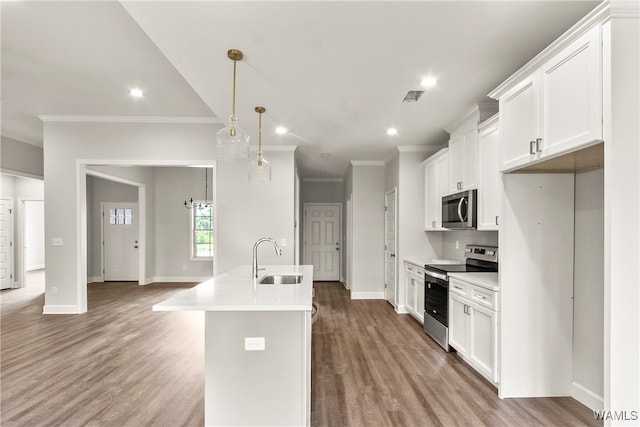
(193, 230)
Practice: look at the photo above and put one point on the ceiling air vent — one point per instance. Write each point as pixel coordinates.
(413, 96)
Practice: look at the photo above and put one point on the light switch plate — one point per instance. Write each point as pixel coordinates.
(57, 241)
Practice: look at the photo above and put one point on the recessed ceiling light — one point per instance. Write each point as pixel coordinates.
(281, 130)
(325, 155)
(136, 92)
(392, 131)
(428, 82)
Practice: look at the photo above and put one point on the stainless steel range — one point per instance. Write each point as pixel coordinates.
(436, 288)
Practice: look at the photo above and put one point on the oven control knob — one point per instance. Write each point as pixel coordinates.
(491, 253)
(434, 311)
(467, 250)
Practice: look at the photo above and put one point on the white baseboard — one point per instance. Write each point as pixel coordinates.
(586, 397)
(367, 295)
(61, 309)
(147, 281)
(402, 309)
(93, 279)
(34, 267)
(180, 279)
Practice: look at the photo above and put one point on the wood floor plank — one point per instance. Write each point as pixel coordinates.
(121, 364)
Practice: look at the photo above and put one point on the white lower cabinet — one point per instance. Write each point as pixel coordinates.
(473, 326)
(414, 291)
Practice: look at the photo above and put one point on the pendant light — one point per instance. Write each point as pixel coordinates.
(259, 169)
(189, 203)
(232, 143)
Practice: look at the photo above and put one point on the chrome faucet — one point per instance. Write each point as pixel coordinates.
(254, 271)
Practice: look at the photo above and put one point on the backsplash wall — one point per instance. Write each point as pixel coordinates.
(465, 237)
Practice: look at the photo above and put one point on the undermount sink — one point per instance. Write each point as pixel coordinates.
(281, 279)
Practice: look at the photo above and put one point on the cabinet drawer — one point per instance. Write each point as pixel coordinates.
(413, 269)
(484, 297)
(459, 288)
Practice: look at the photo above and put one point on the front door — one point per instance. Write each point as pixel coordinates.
(6, 244)
(390, 247)
(120, 227)
(322, 240)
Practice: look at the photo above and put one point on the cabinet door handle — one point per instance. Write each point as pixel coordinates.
(539, 145)
(458, 288)
(497, 220)
(532, 147)
(481, 297)
(459, 185)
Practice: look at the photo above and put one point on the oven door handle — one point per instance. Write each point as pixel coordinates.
(436, 275)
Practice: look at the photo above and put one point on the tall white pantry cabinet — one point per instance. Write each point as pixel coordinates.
(567, 111)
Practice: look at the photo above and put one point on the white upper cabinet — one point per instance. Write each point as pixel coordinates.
(557, 108)
(489, 182)
(463, 147)
(571, 106)
(436, 184)
(519, 124)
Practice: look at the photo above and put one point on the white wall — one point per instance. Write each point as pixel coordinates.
(65, 143)
(172, 225)
(368, 183)
(588, 287)
(316, 191)
(247, 211)
(347, 226)
(20, 158)
(34, 235)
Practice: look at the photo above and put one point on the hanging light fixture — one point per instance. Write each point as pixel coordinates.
(259, 169)
(189, 204)
(232, 143)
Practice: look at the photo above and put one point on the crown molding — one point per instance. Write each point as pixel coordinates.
(266, 148)
(130, 119)
(625, 9)
(477, 113)
(367, 162)
(322, 180)
(415, 148)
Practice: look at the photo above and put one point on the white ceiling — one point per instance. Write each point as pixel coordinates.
(333, 72)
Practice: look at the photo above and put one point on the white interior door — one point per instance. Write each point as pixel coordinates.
(120, 232)
(6, 243)
(322, 240)
(390, 262)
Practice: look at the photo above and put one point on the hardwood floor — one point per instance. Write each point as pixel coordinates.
(122, 364)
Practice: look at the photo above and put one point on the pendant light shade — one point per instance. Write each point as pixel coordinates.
(232, 143)
(259, 169)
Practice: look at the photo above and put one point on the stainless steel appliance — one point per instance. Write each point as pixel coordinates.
(436, 288)
(459, 210)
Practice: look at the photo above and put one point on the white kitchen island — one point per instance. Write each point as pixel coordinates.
(244, 386)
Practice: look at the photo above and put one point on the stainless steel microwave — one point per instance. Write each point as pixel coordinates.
(459, 210)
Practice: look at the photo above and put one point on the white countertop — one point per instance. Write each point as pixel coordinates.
(485, 279)
(237, 291)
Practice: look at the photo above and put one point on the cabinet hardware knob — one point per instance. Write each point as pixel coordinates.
(497, 220)
(532, 147)
(539, 145)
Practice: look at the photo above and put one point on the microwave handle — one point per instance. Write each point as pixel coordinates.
(462, 200)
